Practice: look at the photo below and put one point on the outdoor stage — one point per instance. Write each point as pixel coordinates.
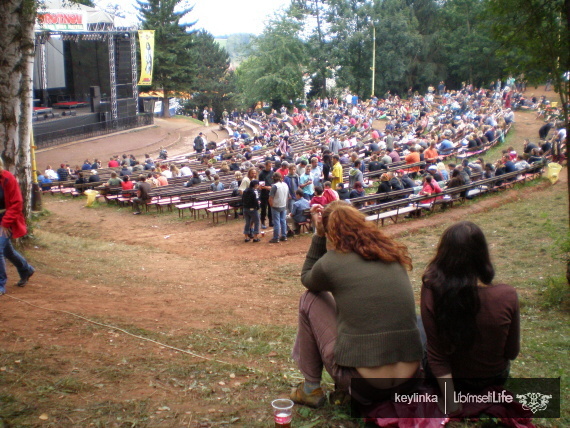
(85, 75)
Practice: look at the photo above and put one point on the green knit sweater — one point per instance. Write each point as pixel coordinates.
(376, 318)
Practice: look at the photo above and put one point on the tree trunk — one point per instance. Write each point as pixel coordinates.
(16, 65)
(165, 106)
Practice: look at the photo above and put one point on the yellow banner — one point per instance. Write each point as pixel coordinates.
(146, 40)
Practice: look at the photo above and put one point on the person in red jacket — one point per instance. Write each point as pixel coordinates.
(12, 225)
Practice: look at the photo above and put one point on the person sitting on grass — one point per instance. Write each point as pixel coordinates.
(472, 324)
(357, 318)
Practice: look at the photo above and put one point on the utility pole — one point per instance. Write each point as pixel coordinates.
(373, 58)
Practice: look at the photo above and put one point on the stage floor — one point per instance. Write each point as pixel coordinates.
(53, 114)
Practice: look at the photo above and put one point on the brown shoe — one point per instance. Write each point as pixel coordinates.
(315, 399)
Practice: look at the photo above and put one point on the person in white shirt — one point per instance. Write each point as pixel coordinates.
(50, 173)
(185, 171)
(278, 196)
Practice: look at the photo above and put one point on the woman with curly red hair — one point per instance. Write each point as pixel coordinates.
(357, 318)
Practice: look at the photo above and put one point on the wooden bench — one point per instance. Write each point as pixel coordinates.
(216, 210)
(391, 210)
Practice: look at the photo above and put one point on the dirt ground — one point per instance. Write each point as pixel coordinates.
(175, 134)
(154, 274)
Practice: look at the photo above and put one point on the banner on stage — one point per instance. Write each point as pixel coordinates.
(146, 40)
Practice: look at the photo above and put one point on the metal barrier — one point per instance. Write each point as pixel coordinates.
(63, 136)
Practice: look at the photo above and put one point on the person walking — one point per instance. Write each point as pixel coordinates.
(199, 143)
(12, 225)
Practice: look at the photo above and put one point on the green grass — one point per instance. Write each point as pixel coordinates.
(190, 119)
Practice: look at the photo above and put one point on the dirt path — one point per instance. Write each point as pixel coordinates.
(176, 134)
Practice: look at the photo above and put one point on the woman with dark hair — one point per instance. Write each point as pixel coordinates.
(126, 184)
(471, 324)
(364, 330)
(430, 187)
(456, 180)
(194, 180)
(251, 212)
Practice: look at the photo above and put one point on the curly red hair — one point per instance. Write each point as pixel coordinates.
(348, 232)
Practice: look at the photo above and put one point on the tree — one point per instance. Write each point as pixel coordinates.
(469, 51)
(174, 57)
(212, 74)
(398, 45)
(318, 49)
(274, 71)
(17, 19)
(427, 65)
(351, 43)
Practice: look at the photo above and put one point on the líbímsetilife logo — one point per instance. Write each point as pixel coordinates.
(534, 401)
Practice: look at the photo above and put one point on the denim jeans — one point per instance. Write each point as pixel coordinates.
(251, 218)
(279, 222)
(8, 252)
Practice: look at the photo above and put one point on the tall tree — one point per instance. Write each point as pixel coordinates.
(398, 45)
(469, 51)
(274, 71)
(174, 67)
(318, 48)
(351, 43)
(428, 65)
(212, 74)
(17, 19)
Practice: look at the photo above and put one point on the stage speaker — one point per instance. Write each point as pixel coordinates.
(95, 98)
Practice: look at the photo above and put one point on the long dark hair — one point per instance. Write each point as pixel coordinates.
(462, 259)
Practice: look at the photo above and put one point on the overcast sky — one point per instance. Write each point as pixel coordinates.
(220, 17)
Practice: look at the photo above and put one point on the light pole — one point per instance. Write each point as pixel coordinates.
(373, 58)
